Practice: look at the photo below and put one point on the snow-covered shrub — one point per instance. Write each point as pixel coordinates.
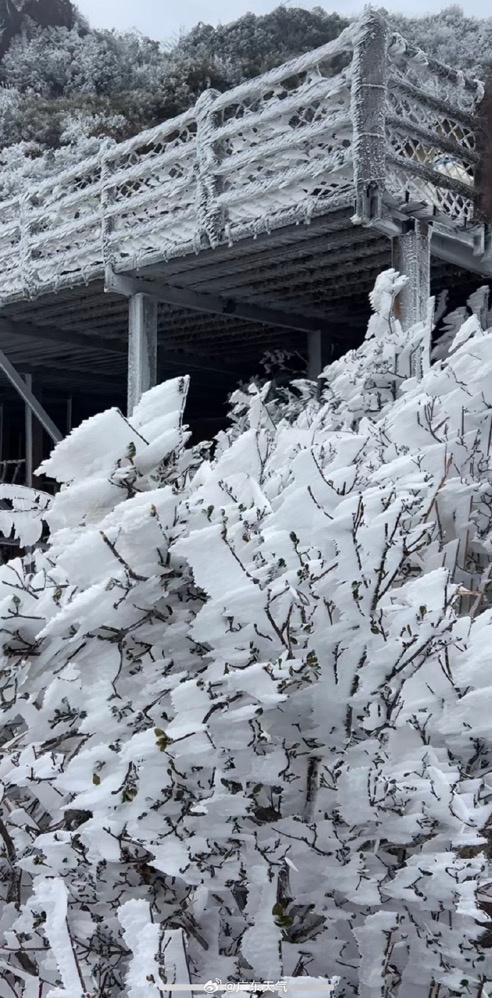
(448, 323)
(246, 702)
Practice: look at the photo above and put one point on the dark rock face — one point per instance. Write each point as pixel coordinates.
(10, 24)
(46, 13)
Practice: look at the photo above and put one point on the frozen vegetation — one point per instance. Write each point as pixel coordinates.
(246, 698)
(66, 88)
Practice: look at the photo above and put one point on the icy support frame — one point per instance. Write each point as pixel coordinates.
(142, 348)
(411, 256)
(209, 213)
(368, 104)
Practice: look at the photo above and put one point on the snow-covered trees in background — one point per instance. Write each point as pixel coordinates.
(64, 88)
(126, 82)
(448, 325)
(252, 45)
(245, 726)
(452, 37)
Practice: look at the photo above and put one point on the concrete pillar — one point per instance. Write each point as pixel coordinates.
(142, 348)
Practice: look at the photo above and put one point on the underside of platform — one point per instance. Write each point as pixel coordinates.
(74, 344)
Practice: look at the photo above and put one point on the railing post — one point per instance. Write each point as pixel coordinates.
(368, 103)
(411, 256)
(27, 269)
(209, 213)
(142, 348)
(107, 196)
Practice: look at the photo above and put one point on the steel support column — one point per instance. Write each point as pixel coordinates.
(142, 348)
(197, 302)
(315, 362)
(29, 455)
(411, 256)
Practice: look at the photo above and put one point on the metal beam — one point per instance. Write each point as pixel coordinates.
(142, 348)
(471, 251)
(27, 396)
(188, 299)
(89, 381)
(460, 251)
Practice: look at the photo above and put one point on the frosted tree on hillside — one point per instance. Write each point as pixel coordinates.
(450, 36)
(246, 701)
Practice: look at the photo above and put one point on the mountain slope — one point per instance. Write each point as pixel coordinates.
(64, 87)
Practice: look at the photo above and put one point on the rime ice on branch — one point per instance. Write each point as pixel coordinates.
(246, 701)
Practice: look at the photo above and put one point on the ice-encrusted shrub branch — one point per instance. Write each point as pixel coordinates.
(246, 702)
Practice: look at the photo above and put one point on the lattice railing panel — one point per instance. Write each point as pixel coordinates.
(11, 473)
(273, 151)
(286, 149)
(151, 192)
(430, 132)
(58, 232)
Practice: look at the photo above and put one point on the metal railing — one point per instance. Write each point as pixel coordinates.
(298, 142)
(12, 472)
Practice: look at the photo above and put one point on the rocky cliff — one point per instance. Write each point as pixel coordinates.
(15, 14)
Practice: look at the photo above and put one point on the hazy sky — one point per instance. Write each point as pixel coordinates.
(165, 18)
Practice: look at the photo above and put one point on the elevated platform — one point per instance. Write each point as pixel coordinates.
(257, 220)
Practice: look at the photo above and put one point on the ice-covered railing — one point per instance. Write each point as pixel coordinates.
(431, 131)
(364, 114)
(415, 126)
(268, 153)
(11, 471)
